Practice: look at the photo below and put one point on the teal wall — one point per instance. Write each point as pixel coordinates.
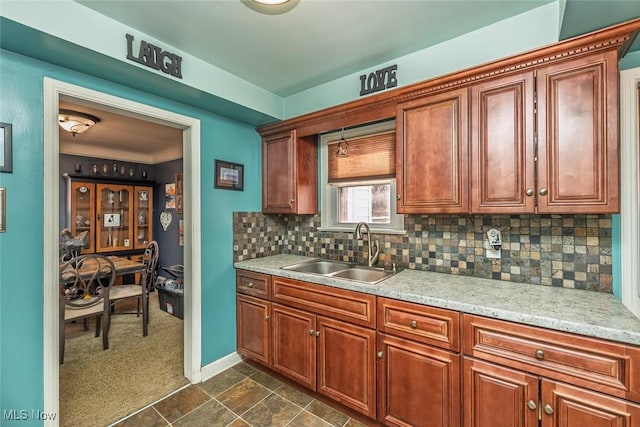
(21, 247)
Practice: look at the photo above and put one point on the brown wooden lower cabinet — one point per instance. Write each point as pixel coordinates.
(253, 328)
(418, 385)
(495, 396)
(294, 344)
(330, 356)
(405, 367)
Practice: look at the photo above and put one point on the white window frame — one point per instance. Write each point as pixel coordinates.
(329, 193)
(629, 187)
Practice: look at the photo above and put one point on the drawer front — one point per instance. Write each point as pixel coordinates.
(428, 325)
(588, 362)
(354, 307)
(256, 284)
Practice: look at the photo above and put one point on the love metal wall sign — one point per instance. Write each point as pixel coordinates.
(382, 79)
(154, 57)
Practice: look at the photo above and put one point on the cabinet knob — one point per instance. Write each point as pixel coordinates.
(539, 354)
(311, 331)
(413, 324)
(543, 191)
(532, 405)
(250, 284)
(267, 317)
(291, 201)
(548, 409)
(529, 192)
(380, 354)
(398, 197)
(317, 333)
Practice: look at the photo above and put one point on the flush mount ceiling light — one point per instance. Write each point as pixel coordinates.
(271, 7)
(76, 122)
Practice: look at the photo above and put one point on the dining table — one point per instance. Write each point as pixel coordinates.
(123, 266)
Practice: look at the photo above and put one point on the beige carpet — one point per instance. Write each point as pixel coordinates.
(100, 387)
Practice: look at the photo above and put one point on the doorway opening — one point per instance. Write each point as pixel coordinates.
(54, 92)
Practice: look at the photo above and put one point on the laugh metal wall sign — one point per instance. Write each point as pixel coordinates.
(154, 57)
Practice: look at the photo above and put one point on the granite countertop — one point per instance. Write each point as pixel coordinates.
(582, 312)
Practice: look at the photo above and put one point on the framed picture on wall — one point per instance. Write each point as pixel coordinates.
(179, 190)
(229, 176)
(6, 152)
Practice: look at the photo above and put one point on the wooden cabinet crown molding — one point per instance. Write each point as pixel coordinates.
(382, 106)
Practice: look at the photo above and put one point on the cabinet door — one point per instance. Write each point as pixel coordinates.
(115, 223)
(278, 173)
(254, 329)
(502, 154)
(578, 135)
(418, 385)
(347, 364)
(143, 208)
(294, 344)
(82, 213)
(567, 406)
(494, 396)
(432, 154)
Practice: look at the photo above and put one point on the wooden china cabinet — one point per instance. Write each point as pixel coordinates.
(116, 216)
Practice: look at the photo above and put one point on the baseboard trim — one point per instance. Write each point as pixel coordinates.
(214, 368)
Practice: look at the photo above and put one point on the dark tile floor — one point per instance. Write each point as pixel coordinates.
(240, 396)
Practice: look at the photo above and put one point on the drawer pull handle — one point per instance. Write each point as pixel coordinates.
(413, 324)
(250, 284)
(532, 405)
(539, 354)
(548, 409)
(380, 354)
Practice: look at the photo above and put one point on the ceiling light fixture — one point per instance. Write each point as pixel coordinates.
(271, 7)
(76, 122)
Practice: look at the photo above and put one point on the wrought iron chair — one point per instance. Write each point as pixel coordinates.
(139, 291)
(84, 285)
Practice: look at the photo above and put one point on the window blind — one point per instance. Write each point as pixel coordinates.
(370, 157)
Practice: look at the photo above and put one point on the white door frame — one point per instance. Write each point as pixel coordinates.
(53, 89)
(630, 186)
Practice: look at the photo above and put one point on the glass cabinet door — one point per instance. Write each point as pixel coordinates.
(114, 231)
(83, 212)
(144, 219)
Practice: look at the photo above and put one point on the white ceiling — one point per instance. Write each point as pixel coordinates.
(315, 42)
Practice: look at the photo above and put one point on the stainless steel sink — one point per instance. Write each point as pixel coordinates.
(363, 274)
(341, 270)
(320, 266)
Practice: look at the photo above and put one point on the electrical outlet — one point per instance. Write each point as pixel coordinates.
(493, 244)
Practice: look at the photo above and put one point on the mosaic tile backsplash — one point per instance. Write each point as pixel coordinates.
(572, 251)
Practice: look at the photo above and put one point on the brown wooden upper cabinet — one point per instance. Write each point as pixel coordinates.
(546, 140)
(432, 148)
(289, 174)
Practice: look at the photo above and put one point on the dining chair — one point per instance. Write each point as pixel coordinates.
(84, 286)
(138, 291)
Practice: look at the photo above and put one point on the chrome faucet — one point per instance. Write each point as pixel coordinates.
(373, 257)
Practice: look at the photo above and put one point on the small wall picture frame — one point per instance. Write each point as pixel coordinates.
(228, 175)
(179, 191)
(6, 151)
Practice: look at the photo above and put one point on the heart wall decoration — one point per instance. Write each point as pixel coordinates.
(165, 219)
